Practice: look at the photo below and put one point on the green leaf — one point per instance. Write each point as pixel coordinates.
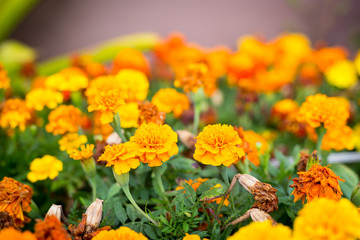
(185, 227)
(113, 190)
(190, 192)
(120, 212)
(350, 177)
(131, 212)
(150, 232)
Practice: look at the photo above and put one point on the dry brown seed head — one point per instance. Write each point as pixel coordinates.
(94, 214)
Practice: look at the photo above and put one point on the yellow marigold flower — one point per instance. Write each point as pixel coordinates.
(218, 144)
(43, 168)
(50, 228)
(253, 139)
(150, 113)
(123, 157)
(192, 77)
(338, 139)
(292, 47)
(284, 107)
(191, 237)
(155, 143)
(70, 79)
(13, 234)
(63, 119)
(102, 129)
(101, 84)
(169, 100)
(129, 115)
(72, 141)
(356, 137)
(85, 152)
(41, 97)
(107, 103)
(4, 80)
(129, 58)
(326, 57)
(14, 113)
(134, 83)
(15, 198)
(317, 182)
(319, 109)
(357, 62)
(328, 219)
(123, 233)
(342, 74)
(262, 231)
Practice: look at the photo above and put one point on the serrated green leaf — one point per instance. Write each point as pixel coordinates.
(189, 192)
(150, 232)
(113, 190)
(120, 212)
(185, 227)
(131, 212)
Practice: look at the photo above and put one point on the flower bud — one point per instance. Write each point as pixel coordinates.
(187, 138)
(114, 138)
(247, 181)
(94, 214)
(55, 210)
(258, 215)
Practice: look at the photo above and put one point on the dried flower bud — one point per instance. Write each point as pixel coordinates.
(6, 220)
(187, 138)
(258, 215)
(94, 214)
(114, 138)
(265, 197)
(247, 181)
(55, 210)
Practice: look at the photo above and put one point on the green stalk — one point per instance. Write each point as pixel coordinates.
(116, 125)
(321, 133)
(196, 117)
(89, 168)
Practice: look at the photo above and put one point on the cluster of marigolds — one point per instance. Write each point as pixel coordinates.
(117, 97)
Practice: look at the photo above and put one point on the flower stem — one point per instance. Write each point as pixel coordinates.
(89, 168)
(196, 117)
(321, 133)
(116, 125)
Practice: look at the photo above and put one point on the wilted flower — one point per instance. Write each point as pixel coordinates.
(123, 233)
(63, 119)
(218, 144)
(14, 113)
(55, 210)
(328, 219)
(94, 215)
(169, 100)
(70, 79)
(71, 141)
(15, 198)
(43, 168)
(265, 197)
(50, 228)
(187, 138)
(150, 113)
(155, 143)
(41, 97)
(129, 115)
(85, 152)
(342, 74)
(129, 58)
(13, 234)
(133, 83)
(317, 182)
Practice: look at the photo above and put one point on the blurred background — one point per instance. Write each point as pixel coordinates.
(55, 27)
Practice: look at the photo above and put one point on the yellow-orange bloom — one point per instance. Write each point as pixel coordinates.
(13, 234)
(283, 108)
(319, 109)
(41, 97)
(123, 233)
(85, 152)
(342, 74)
(15, 198)
(102, 129)
(326, 57)
(328, 220)
(123, 157)
(63, 119)
(14, 113)
(129, 115)
(191, 237)
(129, 58)
(69, 79)
(253, 139)
(43, 168)
(51, 228)
(169, 100)
(155, 143)
(107, 103)
(338, 139)
(4, 80)
(150, 113)
(134, 83)
(317, 182)
(218, 144)
(101, 84)
(71, 141)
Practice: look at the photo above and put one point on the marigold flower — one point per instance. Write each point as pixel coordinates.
(326, 57)
(262, 231)
(283, 108)
(41, 97)
(253, 139)
(319, 109)
(101, 84)
(338, 139)
(342, 74)
(150, 113)
(4, 80)
(216, 59)
(43, 168)
(14, 113)
(129, 58)
(71, 141)
(218, 144)
(317, 182)
(85, 152)
(63, 119)
(129, 115)
(155, 143)
(13, 234)
(123, 157)
(15, 198)
(105, 130)
(134, 83)
(88, 65)
(169, 100)
(123, 233)
(357, 62)
(107, 103)
(191, 237)
(50, 228)
(69, 79)
(328, 219)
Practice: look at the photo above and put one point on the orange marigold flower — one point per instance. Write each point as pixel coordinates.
(326, 57)
(13, 234)
(169, 100)
(150, 113)
(71, 141)
(134, 83)
(107, 103)
(41, 97)
(129, 115)
(51, 229)
(123, 233)
(15, 198)
(69, 79)
(317, 182)
(102, 129)
(218, 144)
(253, 139)
(63, 119)
(85, 152)
(101, 84)
(123, 157)
(155, 143)
(43, 168)
(283, 108)
(338, 139)
(320, 109)
(14, 113)
(129, 58)
(4, 80)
